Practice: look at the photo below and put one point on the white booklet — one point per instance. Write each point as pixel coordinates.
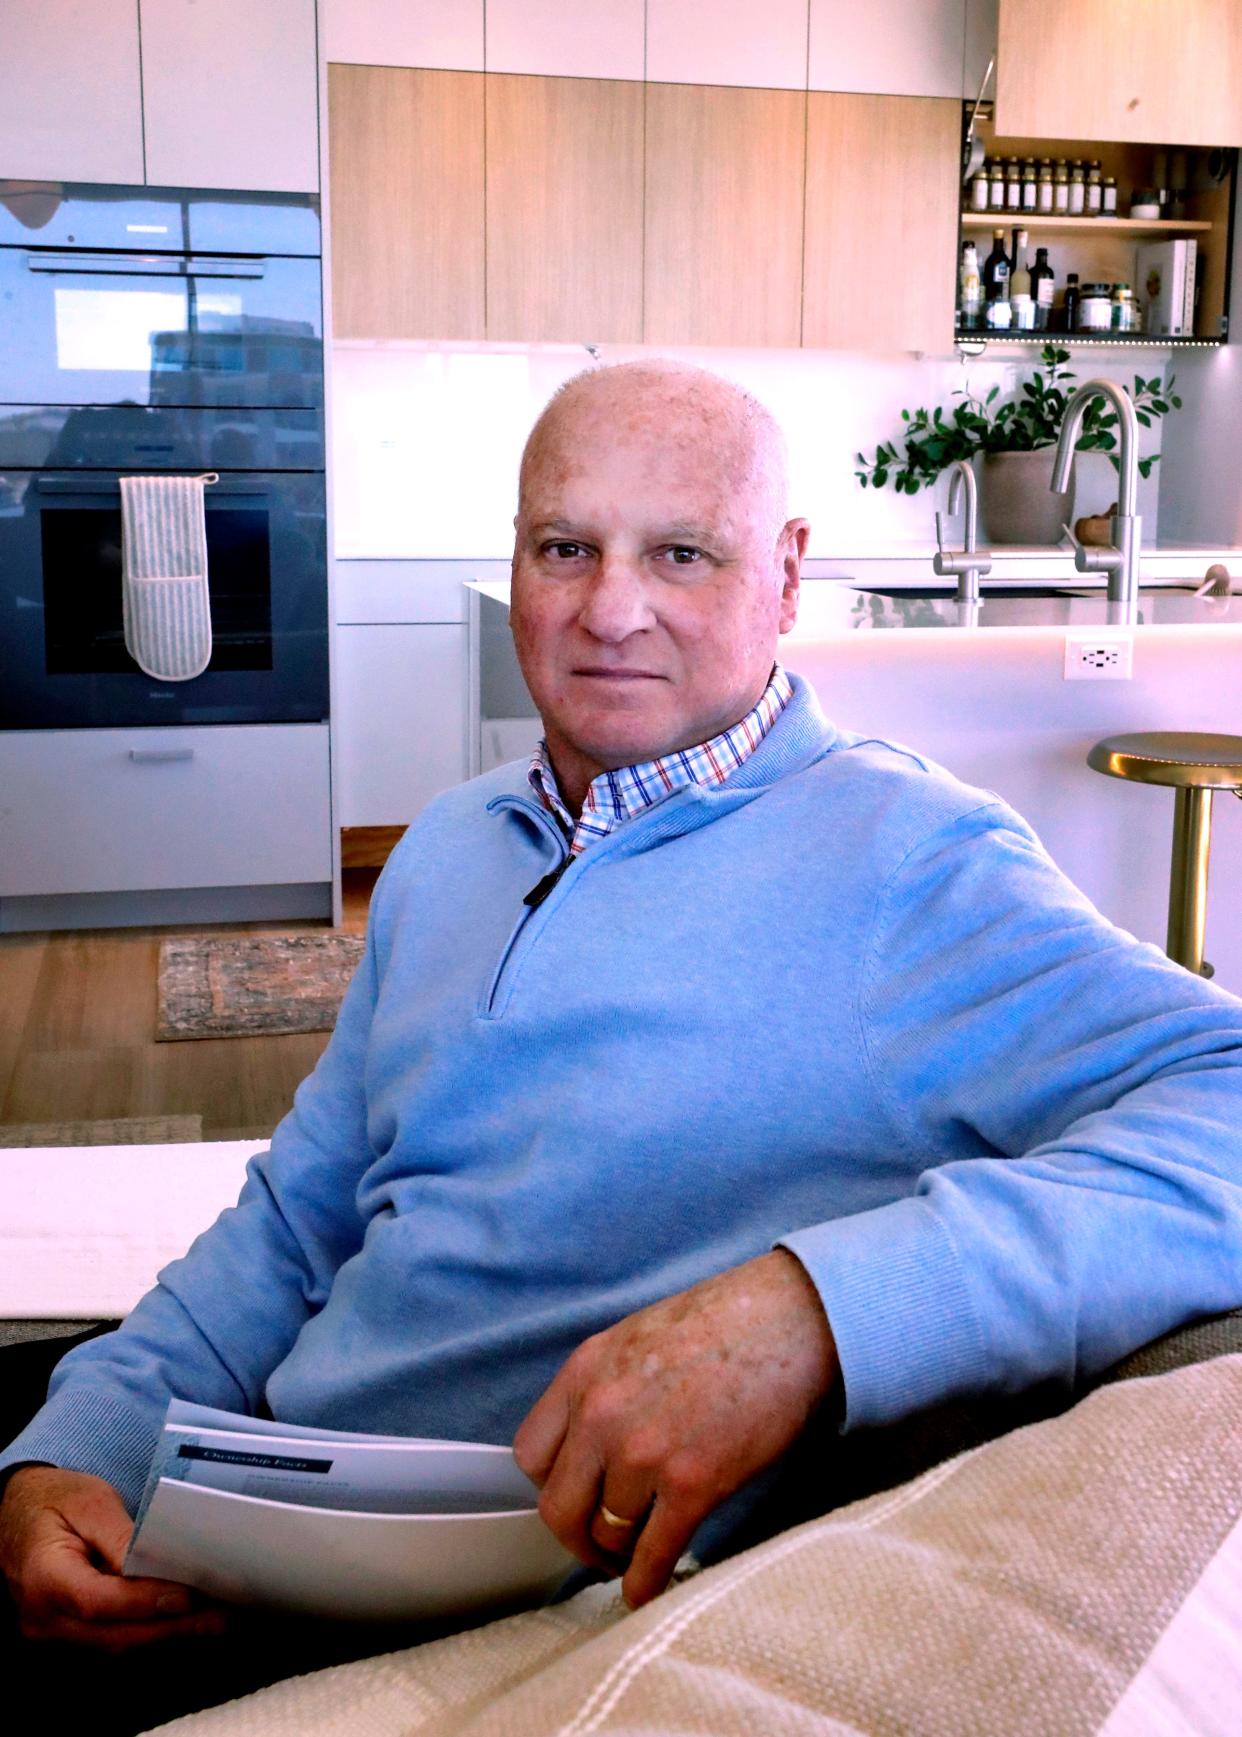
(368, 1527)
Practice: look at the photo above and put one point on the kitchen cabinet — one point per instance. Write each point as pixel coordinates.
(399, 716)
(723, 42)
(722, 245)
(564, 38)
(154, 809)
(407, 202)
(70, 93)
(1105, 249)
(887, 47)
(882, 182)
(230, 94)
(446, 33)
(1164, 72)
(564, 257)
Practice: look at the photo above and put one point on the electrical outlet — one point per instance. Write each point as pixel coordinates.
(1099, 656)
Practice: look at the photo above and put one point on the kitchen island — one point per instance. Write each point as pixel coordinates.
(985, 694)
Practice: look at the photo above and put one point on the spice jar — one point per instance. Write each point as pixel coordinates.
(996, 187)
(1077, 189)
(1095, 308)
(1124, 309)
(979, 188)
(1109, 206)
(1044, 203)
(1060, 188)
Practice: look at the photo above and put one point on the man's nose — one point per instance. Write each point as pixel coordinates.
(616, 603)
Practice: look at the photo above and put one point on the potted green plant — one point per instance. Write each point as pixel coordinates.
(1016, 439)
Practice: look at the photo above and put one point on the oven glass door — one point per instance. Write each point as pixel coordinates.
(63, 662)
(159, 329)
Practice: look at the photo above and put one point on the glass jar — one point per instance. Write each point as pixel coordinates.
(1060, 188)
(1044, 202)
(1108, 207)
(996, 187)
(1095, 191)
(979, 194)
(1013, 185)
(1077, 189)
(1095, 308)
(1030, 185)
(1124, 309)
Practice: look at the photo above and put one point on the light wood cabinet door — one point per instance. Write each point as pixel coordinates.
(70, 98)
(723, 215)
(1163, 72)
(564, 209)
(406, 155)
(881, 222)
(230, 94)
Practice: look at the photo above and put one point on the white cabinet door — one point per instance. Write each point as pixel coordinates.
(230, 94)
(108, 811)
(888, 47)
(399, 714)
(982, 18)
(432, 33)
(727, 42)
(70, 102)
(565, 39)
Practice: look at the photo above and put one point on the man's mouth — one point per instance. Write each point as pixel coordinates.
(620, 675)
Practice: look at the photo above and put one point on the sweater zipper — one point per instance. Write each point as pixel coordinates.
(530, 903)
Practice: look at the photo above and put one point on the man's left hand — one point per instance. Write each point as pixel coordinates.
(654, 1421)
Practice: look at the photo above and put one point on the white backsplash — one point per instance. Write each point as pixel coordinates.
(426, 437)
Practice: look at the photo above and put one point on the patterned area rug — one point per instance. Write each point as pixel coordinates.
(253, 985)
(120, 1131)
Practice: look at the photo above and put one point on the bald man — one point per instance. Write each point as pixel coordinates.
(715, 1081)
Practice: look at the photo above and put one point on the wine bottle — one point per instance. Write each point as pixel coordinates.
(996, 283)
(1020, 285)
(1043, 285)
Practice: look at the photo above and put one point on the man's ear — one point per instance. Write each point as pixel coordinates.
(793, 540)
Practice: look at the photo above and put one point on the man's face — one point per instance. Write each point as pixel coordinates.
(650, 585)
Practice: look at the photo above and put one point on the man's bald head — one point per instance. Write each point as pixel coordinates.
(699, 420)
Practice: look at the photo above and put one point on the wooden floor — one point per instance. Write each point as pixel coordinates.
(77, 1034)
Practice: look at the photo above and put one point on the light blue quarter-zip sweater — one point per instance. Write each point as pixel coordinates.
(843, 1003)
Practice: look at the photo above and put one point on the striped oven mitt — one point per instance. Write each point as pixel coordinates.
(165, 608)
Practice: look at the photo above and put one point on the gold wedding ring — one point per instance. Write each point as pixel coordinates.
(606, 1514)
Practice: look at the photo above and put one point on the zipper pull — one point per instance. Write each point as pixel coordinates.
(539, 892)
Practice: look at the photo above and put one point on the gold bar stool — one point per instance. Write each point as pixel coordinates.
(1195, 765)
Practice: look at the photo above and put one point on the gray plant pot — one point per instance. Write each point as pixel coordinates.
(1016, 504)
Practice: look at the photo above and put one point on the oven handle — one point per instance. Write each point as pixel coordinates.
(159, 756)
(143, 265)
(98, 485)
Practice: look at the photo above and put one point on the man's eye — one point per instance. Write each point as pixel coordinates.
(683, 556)
(564, 551)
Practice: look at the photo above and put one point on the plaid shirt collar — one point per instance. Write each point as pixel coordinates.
(615, 797)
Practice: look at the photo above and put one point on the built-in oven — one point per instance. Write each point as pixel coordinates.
(147, 331)
(63, 662)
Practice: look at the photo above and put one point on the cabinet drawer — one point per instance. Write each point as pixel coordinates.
(368, 592)
(86, 811)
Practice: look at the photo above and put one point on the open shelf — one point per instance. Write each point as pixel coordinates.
(1107, 249)
(1138, 227)
(1085, 340)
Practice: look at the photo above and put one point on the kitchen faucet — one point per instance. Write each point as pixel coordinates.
(1120, 559)
(970, 562)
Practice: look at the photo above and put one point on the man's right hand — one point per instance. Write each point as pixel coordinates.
(63, 1538)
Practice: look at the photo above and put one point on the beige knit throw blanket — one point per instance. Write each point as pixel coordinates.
(1080, 1576)
(165, 608)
